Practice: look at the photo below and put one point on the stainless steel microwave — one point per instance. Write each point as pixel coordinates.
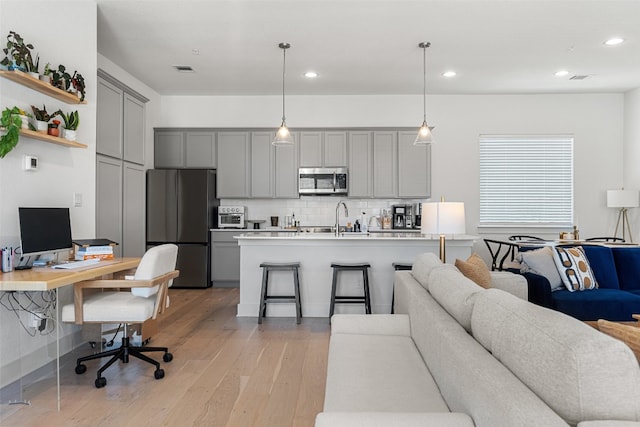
(322, 181)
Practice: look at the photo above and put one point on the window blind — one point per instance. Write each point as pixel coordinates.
(526, 180)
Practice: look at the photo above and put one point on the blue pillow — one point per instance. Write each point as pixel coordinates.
(603, 266)
(628, 267)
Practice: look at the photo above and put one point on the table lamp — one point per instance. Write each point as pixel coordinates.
(443, 218)
(623, 199)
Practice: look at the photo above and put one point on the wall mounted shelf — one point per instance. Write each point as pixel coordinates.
(40, 86)
(52, 139)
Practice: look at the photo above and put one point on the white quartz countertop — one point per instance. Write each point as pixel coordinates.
(346, 236)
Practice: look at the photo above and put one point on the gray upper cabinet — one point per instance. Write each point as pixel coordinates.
(109, 130)
(133, 135)
(323, 149)
(200, 150)
(414, 167)
(262, 155)
(385, 163)
(360, 164)
(168, 149)
(286, 170)
(233, 164)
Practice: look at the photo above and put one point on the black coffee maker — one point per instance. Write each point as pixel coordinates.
(402, 217)
(417, 215)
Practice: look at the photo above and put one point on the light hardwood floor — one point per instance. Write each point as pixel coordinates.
(226, 371)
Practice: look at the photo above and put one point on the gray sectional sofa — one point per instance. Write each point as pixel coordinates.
(456, 354)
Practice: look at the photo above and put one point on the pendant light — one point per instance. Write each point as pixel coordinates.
(283, 135)
(424, 133)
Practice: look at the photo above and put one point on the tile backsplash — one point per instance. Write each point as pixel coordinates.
(313, 210)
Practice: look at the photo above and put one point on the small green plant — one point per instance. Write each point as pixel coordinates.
(17, 52)
(42, 115)
(71, 120)
(60, 78)
(11, 123)
(47, 70)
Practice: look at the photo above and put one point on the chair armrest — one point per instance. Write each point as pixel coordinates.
(78, 290)
(539, 290)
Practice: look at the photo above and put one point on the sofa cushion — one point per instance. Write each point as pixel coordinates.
(609, 304)
(454, 292)
(579, 372)
(628, 267)
(540, 261)
(475, 269)
(423, 265)
(574, 268)
(603, 265)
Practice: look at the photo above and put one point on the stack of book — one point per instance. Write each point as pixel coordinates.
(100, 252)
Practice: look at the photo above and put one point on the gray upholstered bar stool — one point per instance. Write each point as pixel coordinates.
(399, 266)
(264, 293)
(350, 299)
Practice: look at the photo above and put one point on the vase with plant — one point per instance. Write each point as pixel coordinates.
(17, 53)
(77, 82)
(10, 123)
(53, 128)
(60, 78)
(71, 123)
(41, 118)
(24, 117)
(33, 67)
(46, 74)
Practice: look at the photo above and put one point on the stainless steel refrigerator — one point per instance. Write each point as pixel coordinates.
(181, 209)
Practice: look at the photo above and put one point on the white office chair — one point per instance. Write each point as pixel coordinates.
(147, 296)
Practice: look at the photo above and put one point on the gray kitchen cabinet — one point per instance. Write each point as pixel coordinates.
(168, 149)
(109, 200)
(200, 150)
(133, 132)
(323, 149)
(414, 167)
(385, 164)
(133, 210)
(286, 170)
(233, 164)
(225, 259)
(109, 126)
(262, 161)
(360, 164)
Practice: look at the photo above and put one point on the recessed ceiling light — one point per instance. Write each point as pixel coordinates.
(614, 41)
(184, 68)
(449, 74)
(311, 74)
(195, 51)
(562, 73)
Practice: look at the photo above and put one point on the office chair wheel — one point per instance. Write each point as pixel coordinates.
(101, 382)
(81, 369)
(168, 357)
(159, 374)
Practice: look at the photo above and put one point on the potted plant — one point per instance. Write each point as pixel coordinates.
(77, 82)
(32, 67)
(46, 75)
(60, 78)
(41, 118)
(11, 123)
(71, 123)
(17, 53)
(53, 128)
(24, 117)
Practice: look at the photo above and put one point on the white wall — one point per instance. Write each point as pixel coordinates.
(631, 157)
(62, 34)
(596, 121)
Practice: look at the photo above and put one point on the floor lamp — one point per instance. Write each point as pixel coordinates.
(623, 200)
(443, 218)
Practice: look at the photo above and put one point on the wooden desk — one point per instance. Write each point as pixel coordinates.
(47, 278)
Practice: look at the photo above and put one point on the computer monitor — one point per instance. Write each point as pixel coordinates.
(44, 230)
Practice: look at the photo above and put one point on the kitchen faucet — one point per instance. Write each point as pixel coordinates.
(346, 213)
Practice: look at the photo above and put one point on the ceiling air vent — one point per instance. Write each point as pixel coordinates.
(578, 77)
(183, 68)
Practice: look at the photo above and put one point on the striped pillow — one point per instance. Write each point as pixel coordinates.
(574, 268)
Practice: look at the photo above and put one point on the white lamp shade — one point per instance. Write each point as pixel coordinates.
(443, 218)
(623, 199)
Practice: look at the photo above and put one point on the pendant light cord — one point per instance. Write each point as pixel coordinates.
(284, 66)
(424, 76)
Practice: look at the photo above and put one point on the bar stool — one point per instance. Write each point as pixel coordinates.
(350, 299)
(399, 266)
(264, 293)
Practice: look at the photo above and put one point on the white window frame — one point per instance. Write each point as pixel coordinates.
(526, 181)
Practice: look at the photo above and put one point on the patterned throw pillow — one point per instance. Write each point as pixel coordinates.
(475, 269)
(574, 268)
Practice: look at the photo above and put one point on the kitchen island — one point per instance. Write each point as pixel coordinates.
(316, 252)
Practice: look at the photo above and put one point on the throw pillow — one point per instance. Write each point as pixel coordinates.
(540, 261)
(475, 269)
(574, 268)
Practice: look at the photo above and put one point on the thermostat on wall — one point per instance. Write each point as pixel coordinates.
(30, 163)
